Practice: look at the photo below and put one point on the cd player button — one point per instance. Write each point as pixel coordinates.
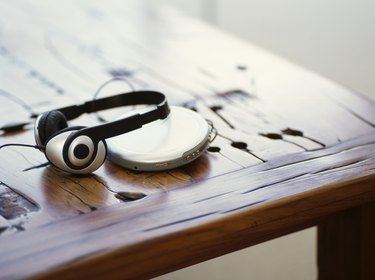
(162, 164)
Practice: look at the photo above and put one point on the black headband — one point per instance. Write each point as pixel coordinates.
(114, 128)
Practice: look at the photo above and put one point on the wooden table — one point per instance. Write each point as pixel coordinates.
(293, 149)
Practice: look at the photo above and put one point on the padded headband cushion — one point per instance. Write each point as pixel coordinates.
(50, 123)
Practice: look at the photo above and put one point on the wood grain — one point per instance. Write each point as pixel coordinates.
(252, 210)
(291, 146)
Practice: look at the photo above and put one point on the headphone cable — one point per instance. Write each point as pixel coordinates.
(99, 117)
(39, 147)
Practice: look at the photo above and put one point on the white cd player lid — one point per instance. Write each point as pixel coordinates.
(161, 140)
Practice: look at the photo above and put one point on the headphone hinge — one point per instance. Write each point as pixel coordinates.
(163, 109)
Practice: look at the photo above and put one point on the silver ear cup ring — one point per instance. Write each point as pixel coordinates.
(36, 132)
(81, 151)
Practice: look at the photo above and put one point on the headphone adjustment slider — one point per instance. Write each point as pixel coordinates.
(163, 109)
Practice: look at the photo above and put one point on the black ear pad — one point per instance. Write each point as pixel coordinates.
(49, 124)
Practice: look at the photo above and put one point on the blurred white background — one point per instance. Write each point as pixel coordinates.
(335, 38)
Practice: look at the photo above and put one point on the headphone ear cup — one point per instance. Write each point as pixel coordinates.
(48, 124)
(83, 157)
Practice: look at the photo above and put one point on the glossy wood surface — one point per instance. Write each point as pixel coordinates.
(291, 148)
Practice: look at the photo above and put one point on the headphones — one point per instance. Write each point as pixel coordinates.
(82, 150)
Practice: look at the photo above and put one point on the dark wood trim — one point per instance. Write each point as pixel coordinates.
(346, 244)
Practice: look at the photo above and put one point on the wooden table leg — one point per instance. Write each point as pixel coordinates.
(346, 244)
